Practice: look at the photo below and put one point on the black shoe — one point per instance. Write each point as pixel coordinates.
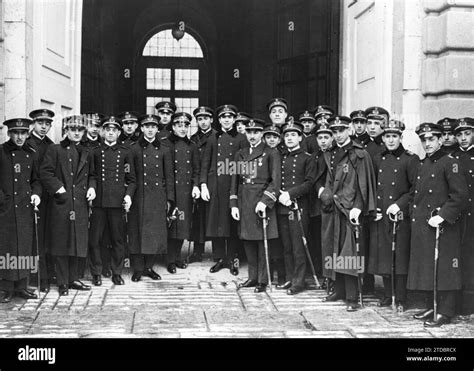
(218, 266)
(181, 265)
(424, 314)
(25, 294)
(117, 279)
(195, 258)
(440, 321)
(234, 266)
(385, 302)
(63, 291)
(7, 297)
(96, 280)
(44, 287)
(137, 276)
(261, 287)
(284, 286)
(171, 268)
(352, 306)
(78, 285)
(152, 274)
(248, 283)
(294, 290)
(106, 273)
(333, 297)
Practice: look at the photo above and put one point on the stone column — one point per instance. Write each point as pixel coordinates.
(448, 84)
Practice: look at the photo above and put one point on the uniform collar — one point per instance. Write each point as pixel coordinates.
(232, 132)
(10, 147)
(377, 139)
(144, 143)
(174, 138)
(397, 153)
(468, 148)
(437, 155)
(294, 151)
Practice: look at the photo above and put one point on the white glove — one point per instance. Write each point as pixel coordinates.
(435, 221)
(379, 215)
(90, 194)
(284, 198)
(235, 213)
(196, 193)
(61, 190)
(260, 208)
(354, 215)
(320, 191)
(393, 209)
(127, 203)
(205, 192)
(35, 200)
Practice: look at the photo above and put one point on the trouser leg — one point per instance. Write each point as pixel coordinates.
(284, 229)
(262, 264)
(251, 250)
(116, 226)
(96, 231)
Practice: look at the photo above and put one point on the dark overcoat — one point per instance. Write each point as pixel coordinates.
(350, 183)
(440, 184)
(147, 226)
(185, 157)
(258, 178)
(219, 154)
(18, 181)
(396, 177)
(200, 210)
(68, 213)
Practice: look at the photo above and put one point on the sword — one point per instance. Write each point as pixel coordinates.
(294, 206)
(439, 230)
(36, 211)
(359, 278)
(264, 217)
(394, 218)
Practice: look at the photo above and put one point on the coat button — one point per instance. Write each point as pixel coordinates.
(393, 183)
(413, 220)
(414, 206)
(383, 158)
(380, 170)
(144, 183)
(430, 191)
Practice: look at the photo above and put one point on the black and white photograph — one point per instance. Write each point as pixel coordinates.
(177, 176)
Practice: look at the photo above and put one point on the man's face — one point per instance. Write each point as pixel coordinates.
(165, 117)
(292, 139)
(226, 120)
(373, 127)
(75, 133)
(18, 136)
(449, 139)
(129, 127)
(41, 127)
(322, 118)
(308, 126)
(93, 129)
(254, 136)
(392, 141)
(240, 127)
(359, 126)
(180, 129)
(149, 131)
(111, 133)
(341, 135)
(464, 138)
(324, 140)
(204, 122)
(278, 115)
(431, 144)
(272, 139)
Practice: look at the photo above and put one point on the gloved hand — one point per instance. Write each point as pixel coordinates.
(379, 215)
(354, 215)
(195, 193)
(260, 208)
(90, 194)
(320, 191)
(35, 200)
(393, 209)
(435, 221)
(284, 198)
(205, 192)
(61, 190)
(127, 203)
(235, 213)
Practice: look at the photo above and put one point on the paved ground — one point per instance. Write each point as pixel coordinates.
(197, 304)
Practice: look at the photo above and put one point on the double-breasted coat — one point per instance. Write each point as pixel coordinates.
(185, 157)
(67, 165)
(396, 173)
(200, 213)
(218, 157)
(349, 183)
(147, 226)
(18, 182)
(258, 179)
(440, 184)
